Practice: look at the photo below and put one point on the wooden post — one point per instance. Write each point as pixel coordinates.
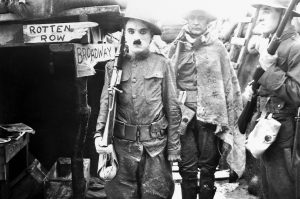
(83, 114)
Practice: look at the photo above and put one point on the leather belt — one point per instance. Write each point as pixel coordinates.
(140, 132)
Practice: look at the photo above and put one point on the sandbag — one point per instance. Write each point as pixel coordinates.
(47, 8)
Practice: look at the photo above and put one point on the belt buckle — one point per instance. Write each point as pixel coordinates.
(138, 132)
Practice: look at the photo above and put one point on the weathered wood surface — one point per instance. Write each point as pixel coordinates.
(107, 17)
(60, 187)
(59, 32)
(8, 151)
(87, 56)
(46, 8)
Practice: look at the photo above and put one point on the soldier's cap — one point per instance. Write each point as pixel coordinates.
(202, 7)
(282, 4)
(140, 12)
(202, 12)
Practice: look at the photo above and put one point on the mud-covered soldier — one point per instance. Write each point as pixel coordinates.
(147, 117)
(203, 70)
(279, 94)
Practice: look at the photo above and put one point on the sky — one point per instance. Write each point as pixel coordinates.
(173, 9)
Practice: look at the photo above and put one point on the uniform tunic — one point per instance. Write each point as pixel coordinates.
(281, 84)
(203, 70)
(148, 95)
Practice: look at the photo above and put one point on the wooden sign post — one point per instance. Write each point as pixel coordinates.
(87, 56)
(59, 32)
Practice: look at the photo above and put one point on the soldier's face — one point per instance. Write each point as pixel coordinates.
(268, 20)
(197, 23)
(138, 36)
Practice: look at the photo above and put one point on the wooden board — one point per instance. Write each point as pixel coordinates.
(53, 33)
(87, 56)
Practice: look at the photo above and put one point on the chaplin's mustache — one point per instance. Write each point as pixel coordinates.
(137, 42)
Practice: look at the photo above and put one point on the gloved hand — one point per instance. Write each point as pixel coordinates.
(248, 93)
(101, 146)
(265, 59)
(174, 158)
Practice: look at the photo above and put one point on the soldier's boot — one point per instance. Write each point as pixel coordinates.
(207, 192)
(189, 186)
(207, 181)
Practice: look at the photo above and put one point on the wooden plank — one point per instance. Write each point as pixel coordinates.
(237, 41)
(113, 9)
(2, 165)
(9, 17)
(56, 187)
(53, 33)
(14, 147)
(88, 55)
(64, 47)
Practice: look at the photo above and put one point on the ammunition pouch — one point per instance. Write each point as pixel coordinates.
(141, 132)
(187, 116)
(187, 113)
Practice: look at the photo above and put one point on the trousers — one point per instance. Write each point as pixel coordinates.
(199, 151)
(145, 177)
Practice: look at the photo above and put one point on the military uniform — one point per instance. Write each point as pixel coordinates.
(147, 118)
(281, 85)
(203, 70)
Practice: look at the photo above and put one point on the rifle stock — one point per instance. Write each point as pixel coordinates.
(248, 111)
(296, 155)
(107, 164)
(276, 38)
(112, 89)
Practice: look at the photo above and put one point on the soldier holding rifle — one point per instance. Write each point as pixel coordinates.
(280, 90)
(145, 135)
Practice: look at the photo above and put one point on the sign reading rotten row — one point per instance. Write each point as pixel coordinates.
(58, 32)
(87, 56)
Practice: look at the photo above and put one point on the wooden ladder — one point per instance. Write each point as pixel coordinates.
(238, 43)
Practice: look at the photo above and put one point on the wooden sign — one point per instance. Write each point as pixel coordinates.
(88, 55)
(59, 32)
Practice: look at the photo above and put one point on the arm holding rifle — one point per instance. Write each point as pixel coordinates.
(101, 121)
(268, 61)
(105, 122)
(265, 62)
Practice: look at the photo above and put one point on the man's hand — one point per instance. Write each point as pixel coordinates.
(265, 59)
(174, 158)
(101, 147)
(248, 93)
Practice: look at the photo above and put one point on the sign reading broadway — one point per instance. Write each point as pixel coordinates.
(87, 56)
(58, 32)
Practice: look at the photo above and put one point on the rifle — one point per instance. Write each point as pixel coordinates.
(248, 111)
(296, 155)
(107, 164)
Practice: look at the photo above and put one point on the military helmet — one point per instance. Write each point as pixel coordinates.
(138, 10)
(283, 4)
(200, 6)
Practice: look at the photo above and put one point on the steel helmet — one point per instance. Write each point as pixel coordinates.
(204, 8)
(283, 4)
(139, 10)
